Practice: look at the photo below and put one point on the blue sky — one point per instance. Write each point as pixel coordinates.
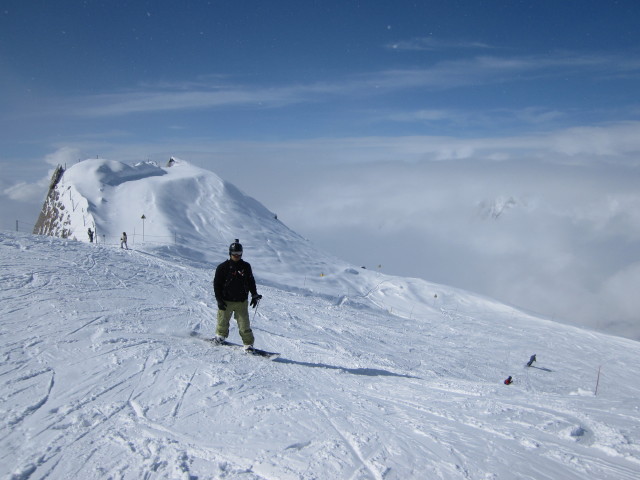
(365, 125)
(252, 70)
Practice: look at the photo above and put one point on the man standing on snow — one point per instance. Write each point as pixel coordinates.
(232, 284)
(123, 241)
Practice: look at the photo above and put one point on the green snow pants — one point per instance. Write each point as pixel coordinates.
(241, 311)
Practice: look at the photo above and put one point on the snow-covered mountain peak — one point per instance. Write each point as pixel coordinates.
(494, 208)
(181, 205)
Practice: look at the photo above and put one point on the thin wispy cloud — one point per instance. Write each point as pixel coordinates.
(485, 69)
(216, 92)
(194, 96)
(462, 118)
(162, 100)
(426, 115)
(432, 44)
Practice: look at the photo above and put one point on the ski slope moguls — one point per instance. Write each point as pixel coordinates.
(106, 373)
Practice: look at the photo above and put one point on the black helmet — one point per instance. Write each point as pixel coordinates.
(235, 248)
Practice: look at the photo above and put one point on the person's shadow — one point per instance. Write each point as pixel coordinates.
(367, 372)
(541, 368)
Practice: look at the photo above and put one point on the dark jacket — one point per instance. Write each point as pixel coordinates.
(234, 281)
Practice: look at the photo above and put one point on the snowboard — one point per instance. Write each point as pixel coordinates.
(256, 351)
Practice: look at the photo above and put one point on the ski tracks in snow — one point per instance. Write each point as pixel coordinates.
(72, 393)
(100, 379)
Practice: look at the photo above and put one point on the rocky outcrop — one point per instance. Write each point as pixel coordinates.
(53, 219)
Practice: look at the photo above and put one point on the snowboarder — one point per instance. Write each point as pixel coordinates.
(123, 241)
(531, 360)
(508, 381)
(90, 233)
(232, 283)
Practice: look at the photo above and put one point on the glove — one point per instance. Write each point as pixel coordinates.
(222, 305)
(254, 300)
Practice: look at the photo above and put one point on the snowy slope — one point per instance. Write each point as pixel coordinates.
(105, 373)
(101, 378)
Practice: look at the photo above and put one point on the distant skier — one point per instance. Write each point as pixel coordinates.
(508, 381)
(123, 241)
(90, 233)
(531, 360)
(232, 283)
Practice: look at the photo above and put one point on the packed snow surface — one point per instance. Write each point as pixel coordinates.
(106, 372)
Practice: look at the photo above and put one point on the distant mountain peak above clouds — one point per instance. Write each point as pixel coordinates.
(497, 207)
